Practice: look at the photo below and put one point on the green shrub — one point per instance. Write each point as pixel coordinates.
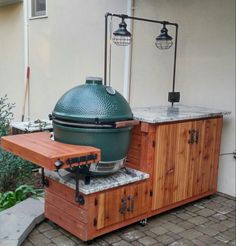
(6, 115)
(10, 198)
(14, 171)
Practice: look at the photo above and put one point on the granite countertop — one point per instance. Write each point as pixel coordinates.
(160, 114)
(98, 183)
(32, 126)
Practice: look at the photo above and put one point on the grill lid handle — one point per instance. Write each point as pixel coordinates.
(120, 124)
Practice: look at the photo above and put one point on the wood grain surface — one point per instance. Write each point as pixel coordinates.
(40, 149)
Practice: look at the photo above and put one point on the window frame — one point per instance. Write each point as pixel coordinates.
(31, 17)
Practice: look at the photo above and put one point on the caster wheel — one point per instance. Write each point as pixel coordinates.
(143, 222)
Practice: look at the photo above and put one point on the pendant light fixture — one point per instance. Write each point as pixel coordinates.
(122, 37)
(164, 41)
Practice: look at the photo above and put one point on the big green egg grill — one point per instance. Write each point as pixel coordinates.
(89, 114)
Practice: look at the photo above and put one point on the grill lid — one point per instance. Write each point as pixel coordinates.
(92, 103)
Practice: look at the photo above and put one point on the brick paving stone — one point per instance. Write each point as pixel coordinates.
(136, 243)
(165, 239)
(64, 232)
(213, 219)
(191, 213)
(228, 223)
(218, 227)
(205, 212)
(192, 208)
(207, 239)
(198, 205)
(121, 243)
(63, 241)
(199, 243)
(169, 217)
(147, 241)
(198, 220)
(206, 230)
(111, 238)
(150, 234)
(182, 242)
(44, 227)
(223, 210)
(184, 216)
(159, 230)
(52, 233)
(39, 240)
(27, 243)
(132, 235)
(228, 235)
(176, 221)
(176, 236)
(186, 225)
(190, 234)
(222, 239)
(173, 227)
(101, 242)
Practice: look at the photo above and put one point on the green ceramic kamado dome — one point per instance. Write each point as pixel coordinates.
(92, 103)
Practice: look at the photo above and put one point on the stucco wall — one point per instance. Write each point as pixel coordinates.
(68, 46)
(12, 55)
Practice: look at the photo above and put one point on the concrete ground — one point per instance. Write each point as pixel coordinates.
(209, 221)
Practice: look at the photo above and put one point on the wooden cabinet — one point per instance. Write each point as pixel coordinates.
(181, 158)
(102, 212)
(122, 204)
(186, 160)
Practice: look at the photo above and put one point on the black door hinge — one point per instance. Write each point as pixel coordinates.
(95, 222)
(151, 193)
(95, 202)
(153, 143)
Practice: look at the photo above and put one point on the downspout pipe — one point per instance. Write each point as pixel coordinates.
(128, 54)
(26, 62)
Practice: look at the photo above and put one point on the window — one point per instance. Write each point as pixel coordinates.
(38, 8)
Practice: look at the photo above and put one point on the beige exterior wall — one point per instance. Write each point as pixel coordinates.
(12, 54)
(68, 46)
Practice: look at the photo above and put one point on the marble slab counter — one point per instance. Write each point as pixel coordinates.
(122, 177)
(161, 114)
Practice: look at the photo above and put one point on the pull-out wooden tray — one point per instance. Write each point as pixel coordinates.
(40, 149)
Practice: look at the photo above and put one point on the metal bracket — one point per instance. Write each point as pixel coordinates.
(192, 134)
(78, 197)
(123, 205)
(45, 181)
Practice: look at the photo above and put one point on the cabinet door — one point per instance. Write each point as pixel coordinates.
(204, 155)
(185, 169)
(122, 203)
(137, 200)
(170, 178)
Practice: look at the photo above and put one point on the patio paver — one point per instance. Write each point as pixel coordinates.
(209, 221)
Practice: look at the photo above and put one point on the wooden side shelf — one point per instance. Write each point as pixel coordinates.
(40, 149)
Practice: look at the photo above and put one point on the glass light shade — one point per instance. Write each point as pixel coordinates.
(122, 37)
(164, 41)
(163, 44)
(122, 40)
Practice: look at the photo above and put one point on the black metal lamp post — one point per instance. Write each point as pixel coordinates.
(122, 37)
